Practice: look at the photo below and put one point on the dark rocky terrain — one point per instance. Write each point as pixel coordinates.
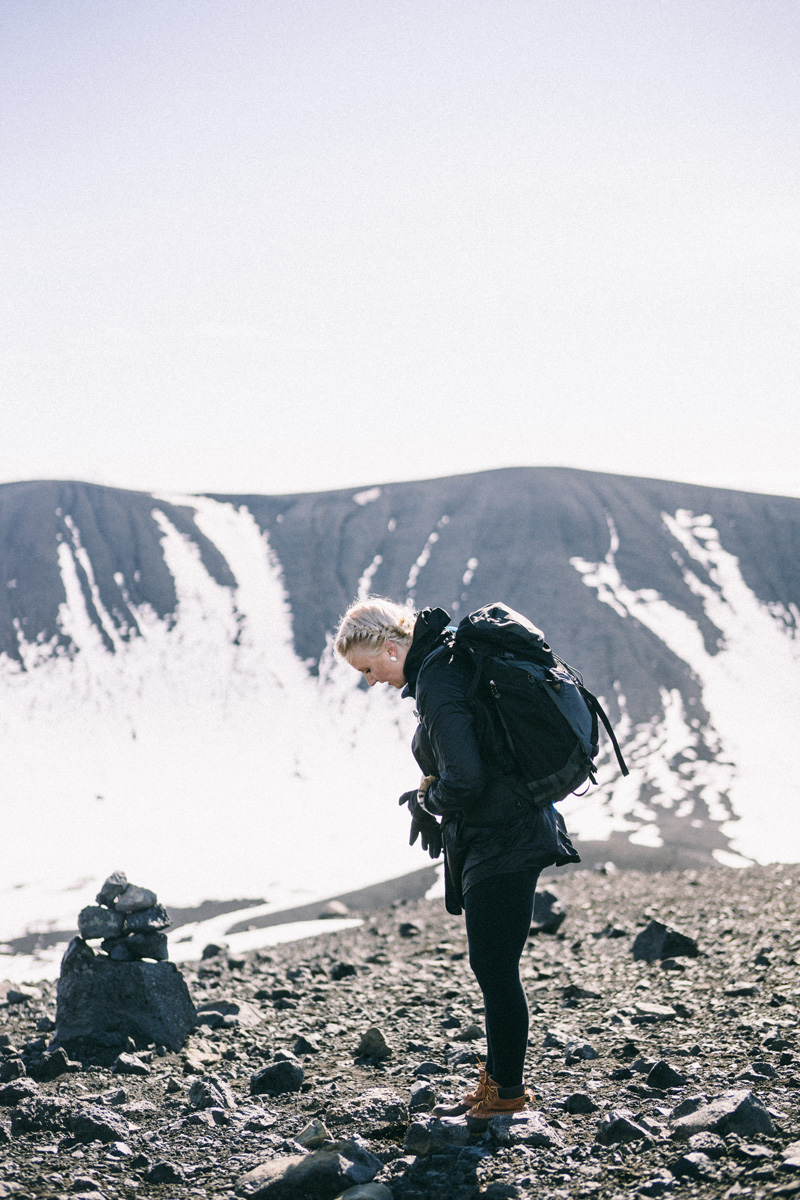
(626, 1056)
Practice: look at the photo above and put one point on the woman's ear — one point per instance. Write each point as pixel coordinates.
(392, 649)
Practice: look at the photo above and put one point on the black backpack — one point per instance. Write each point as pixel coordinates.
(543, 720)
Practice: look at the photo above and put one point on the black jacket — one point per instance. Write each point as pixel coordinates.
(490, 827)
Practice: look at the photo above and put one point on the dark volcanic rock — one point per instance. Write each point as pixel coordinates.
(148, 920)
(619, 1125)
(211, 1092)
(659, 941)
(95, 921)
(579, 1102)
(662, 1075)
(12, 1094)
(87, 1123)
(12, 1068)
(737, 1112)
(113, 887)
(51, 1064)
(321, 1175)
(276, 1078)
(549, 913)
(164, 1172)
(102, 1003)
(694, 1165)
(372, 1045)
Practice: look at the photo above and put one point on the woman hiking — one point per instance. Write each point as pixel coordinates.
(495, 842)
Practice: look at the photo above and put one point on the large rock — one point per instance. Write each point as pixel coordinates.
(427, 1135)
(114, 886)
(102, 1003)
(277, 1078)
(524, 1129)
(135, 899)
(737, 1112)
(86, 1123)
(620, 1125)
(95, 921)
(548, 913)
(321, 1175)
(147, 920)
(659, 941)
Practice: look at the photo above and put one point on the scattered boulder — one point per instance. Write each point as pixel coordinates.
(305, 1045)
(580, 1102)
(320, 1175)
(575, 1052)
(659, 941)
(662, 1075)
(86, 1123)
(708, 1143)
(620, 1125)
(737, 1112)
(228, 1013)
(422, 1096)
(427, 1135)
(314, 1135)
(50, 1064)
(694, 1165)
(343, 970)
(130, 1064)
(21, 993)
(791, 1157)
(12, 1068)
(277, 1078)
(211, 1092)
(373, 1045)
(14, 1093)
(165, 1172)
(647, 1013)
(549, 913)
(526, 1128)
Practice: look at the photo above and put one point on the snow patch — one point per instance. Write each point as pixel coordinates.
(368, 496)
(750, 684)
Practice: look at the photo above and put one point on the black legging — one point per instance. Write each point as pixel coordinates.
(498, 914)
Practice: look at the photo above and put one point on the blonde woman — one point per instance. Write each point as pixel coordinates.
(495, 843)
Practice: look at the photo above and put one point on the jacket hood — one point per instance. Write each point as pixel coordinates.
(428, 630)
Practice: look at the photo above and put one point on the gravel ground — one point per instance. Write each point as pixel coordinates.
(620, 1051)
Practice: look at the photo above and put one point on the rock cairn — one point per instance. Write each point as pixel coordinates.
(125, 994)
(129, 920)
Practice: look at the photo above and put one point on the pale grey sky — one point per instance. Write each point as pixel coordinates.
(276, 245)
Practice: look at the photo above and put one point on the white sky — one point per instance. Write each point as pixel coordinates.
(275, 245)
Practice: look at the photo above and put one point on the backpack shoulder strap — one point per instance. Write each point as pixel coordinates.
(595, 705)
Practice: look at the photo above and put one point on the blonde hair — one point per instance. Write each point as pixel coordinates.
(369, 623)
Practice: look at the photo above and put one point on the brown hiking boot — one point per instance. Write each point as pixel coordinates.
(467, 1101)
(491, 1105)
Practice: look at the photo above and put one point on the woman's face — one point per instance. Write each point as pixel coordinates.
(381, 666)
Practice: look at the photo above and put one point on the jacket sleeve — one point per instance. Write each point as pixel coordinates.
(449, 724)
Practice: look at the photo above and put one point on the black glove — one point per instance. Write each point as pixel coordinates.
(423, 825)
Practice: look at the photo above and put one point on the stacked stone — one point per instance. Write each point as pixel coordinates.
(129, 920)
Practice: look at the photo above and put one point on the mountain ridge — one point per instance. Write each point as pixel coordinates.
(171, 655)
